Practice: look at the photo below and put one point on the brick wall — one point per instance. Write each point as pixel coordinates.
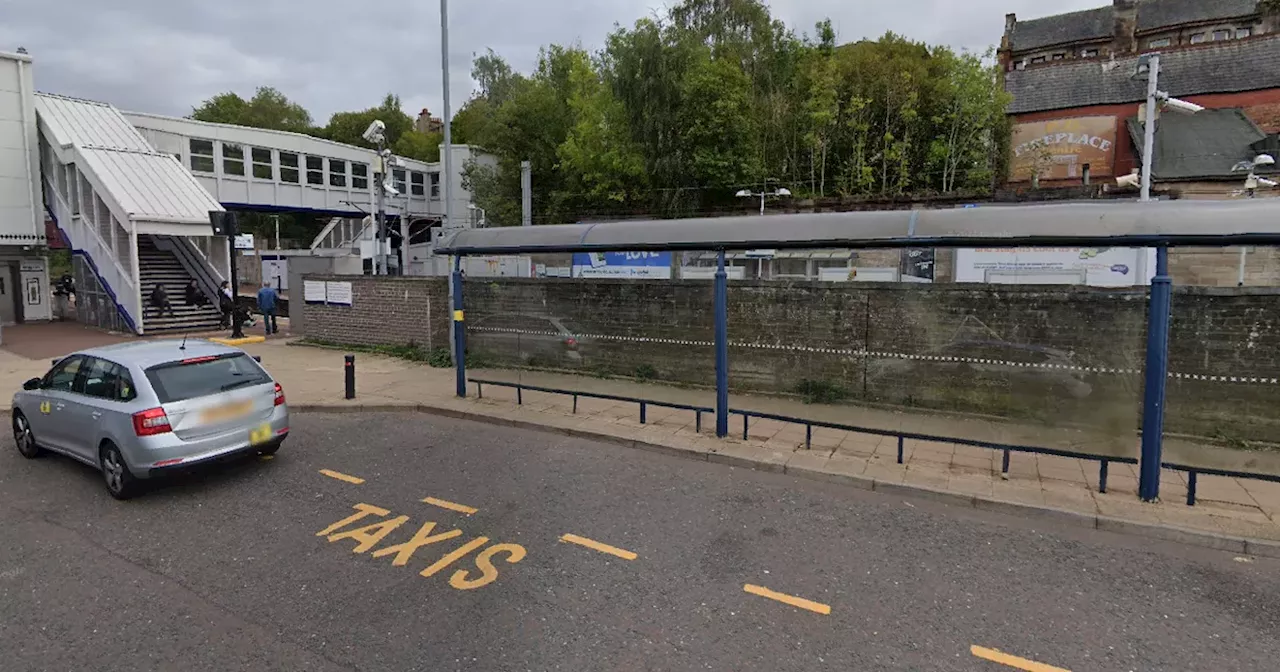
(383, 311)
(1051, 355)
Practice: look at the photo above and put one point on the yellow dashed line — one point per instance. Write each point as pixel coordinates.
(341, 476)
(816, 607)
(597, 546)
(1012, 661)
(452, 506)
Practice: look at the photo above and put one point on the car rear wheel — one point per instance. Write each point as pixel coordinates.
(24, 437)
(120, 482)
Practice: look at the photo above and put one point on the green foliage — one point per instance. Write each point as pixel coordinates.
(268, 108)
(440, 358)
(646, 372)
(821, 391)
(681, 110)
(349, 127)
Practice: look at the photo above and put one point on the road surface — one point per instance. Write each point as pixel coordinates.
(553, 553)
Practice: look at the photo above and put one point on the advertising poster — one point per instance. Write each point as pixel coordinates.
(1094, 266)
(646, 265)
(1060, 148)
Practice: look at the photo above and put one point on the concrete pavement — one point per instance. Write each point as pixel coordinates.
(263, 566)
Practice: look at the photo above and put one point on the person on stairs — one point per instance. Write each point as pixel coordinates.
(160, 301)
(267, 304)
(195, 297)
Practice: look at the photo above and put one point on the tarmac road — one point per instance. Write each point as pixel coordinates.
(224, 570)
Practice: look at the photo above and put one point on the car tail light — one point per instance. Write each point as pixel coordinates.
(151, 422)
(279, 395)
(571, 342)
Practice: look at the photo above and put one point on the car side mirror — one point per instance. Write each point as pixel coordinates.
(33, 384)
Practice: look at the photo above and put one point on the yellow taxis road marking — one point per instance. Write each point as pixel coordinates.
(816, 607)
(452, 506)
(368, 536)
(341, 476)
(597, 546)
(1012, 661)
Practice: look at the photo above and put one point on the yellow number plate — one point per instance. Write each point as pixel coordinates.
(260, 435)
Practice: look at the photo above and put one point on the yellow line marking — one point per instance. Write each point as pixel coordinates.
(341, 476)
(597, 546)
(1013, 661)
(816, 607)
(452, 506)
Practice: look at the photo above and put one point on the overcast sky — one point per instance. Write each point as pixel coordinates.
(166, 56)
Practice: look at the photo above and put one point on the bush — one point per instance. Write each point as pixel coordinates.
(440, 359)
(646, 372)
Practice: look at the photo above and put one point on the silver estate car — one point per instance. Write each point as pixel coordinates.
(140, 409)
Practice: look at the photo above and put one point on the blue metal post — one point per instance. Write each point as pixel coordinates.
(459, 330)
(1157, 373)
(722, 347)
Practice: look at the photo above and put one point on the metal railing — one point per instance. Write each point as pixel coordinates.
(1104, 463)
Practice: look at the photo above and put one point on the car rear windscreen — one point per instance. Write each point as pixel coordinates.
(203, 376)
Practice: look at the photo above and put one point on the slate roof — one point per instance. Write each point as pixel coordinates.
(1218, 67)
(1099, 23)
(1090, 24)
(1200, 146)
(1154, 14)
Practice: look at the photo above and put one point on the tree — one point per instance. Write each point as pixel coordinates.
(415, 144)
(268, 108)
(349, 127)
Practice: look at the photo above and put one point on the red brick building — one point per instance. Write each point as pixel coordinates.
(1076, 100)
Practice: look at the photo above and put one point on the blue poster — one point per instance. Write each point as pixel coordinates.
(655, 265)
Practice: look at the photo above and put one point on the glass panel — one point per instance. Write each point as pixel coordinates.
(201, 155)
(435, 185)
(417, 183)
(262, 168)
(398, 176)
(337, 173)
(232, 159)
(315, 170)
(289, 167)
(360, 176)
(178, 381)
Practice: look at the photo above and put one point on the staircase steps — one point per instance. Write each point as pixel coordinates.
(160, 267)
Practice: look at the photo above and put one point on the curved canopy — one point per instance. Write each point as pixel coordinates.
(1113, 224)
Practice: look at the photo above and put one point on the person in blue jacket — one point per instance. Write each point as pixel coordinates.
(267, 304)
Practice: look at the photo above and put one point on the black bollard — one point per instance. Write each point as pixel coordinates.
(350, 371)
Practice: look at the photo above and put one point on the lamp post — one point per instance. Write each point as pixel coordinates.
(1156, 99)
(777, 193)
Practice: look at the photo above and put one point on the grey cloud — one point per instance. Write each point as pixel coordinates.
(166, 56)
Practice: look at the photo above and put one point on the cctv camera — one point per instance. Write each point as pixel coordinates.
(784, 192)
(1131, 181)
(1264, 160)
(1182, 106)
(388, 189)
(1264, 182)
(375, 132)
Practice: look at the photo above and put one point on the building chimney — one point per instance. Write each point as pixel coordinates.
(1125, 13)
(1004, 55)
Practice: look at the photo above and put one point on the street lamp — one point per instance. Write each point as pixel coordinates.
(1252, 182)
(778, 193)
(1155, 96)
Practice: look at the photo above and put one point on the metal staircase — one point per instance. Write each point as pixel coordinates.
(162, 267)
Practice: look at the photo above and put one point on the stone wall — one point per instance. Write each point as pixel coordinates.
(1056, 356)
(383, 311)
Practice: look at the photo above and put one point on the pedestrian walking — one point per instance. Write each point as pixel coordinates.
(267, 298)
